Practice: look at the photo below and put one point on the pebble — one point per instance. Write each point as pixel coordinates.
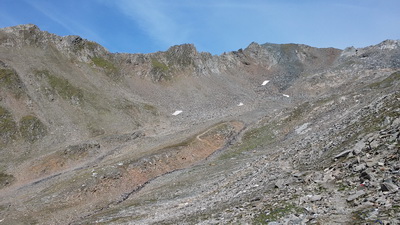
(315, 198)
(386, 186)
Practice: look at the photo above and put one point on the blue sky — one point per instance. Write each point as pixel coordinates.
(216, 26)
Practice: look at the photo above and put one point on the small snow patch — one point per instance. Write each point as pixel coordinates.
(287, 96)
(240, 104)
(265, 82)
(177, 112)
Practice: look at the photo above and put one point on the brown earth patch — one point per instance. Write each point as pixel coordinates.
(131, 175)
(93, 189)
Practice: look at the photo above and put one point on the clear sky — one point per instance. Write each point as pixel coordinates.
(216, 26)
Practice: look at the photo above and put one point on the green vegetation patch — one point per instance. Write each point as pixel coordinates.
(387, 82)
(258, 137)
(157, 65)
(159, 70)
(95, 130)
(299, 112)
(31, 128)
(343, 187)
(84, 44)
(5, 179)
(8, 127)
(184, 143)
(368, 215)
(91, 45)
(62, 86)
(252, 139)
(271, 213)
(108, 66)
(9, 79)
(79, 44)
(150, 108)
(223, 129)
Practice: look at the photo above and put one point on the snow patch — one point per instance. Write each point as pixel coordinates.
(265, 82)
(177, 112)
(287, 96)
(240, 104)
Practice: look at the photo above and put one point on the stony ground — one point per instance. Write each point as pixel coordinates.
(90, 137)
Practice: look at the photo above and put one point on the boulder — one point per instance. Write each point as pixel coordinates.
(355, 195)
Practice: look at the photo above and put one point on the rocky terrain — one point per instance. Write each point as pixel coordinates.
(269, 134)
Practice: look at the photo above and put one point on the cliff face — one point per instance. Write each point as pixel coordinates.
(87, 135)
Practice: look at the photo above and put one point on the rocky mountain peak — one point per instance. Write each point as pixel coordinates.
(254, 47)
(389, 44)
(30, 35)
(21, 28)
(183, 49)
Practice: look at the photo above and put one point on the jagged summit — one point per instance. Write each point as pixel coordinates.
(272, 133)
(20, 27)
(162, 66)
(30, 35)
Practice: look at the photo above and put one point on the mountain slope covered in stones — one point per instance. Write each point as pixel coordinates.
(93, 137)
